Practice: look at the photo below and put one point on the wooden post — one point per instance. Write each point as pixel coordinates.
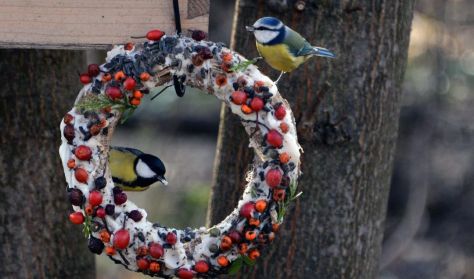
(347, 114)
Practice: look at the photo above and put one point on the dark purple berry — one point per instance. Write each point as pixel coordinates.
(198, 35)
(76, 197)
(95, 245)
(117, 190)
(135, 215)
(110, 209)
(120, 198)
(100, 182)
(205, 53)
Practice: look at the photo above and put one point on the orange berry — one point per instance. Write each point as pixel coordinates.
(271, 236)
(254, 222)
(119, 75)
(221, 80)
(243, 247)
(142, 251)
(275, 227)
(227, 57)
(284, 157)
(71, 163)
(144, 76)
(106, 77)
(89, 209)
(137, 94)
(254, 254)
(261, 205)
(250, 235)
(105, 236)
(246, 109)
(109, 250)
(284, 127)
(154, 267)
(222, 261)
(135, 101)
(257, 85)
(226, 243)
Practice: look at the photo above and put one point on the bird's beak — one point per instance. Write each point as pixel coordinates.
(250, 28)
(162, 180)
(323, 52)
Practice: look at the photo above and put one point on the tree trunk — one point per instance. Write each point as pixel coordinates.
(36, 238)
(347, 113)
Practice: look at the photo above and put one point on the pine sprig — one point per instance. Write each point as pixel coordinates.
(96, 103)
(244, 65)
(283, 205)
(87, 227)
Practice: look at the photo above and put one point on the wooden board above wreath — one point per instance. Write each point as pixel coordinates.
(90, 23)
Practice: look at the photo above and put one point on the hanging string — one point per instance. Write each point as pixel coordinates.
(177, 18)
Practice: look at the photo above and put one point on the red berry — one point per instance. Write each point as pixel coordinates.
(100, 212)
(129, 83)
(201, 267)
(143, 264)
(121, 239)
(280, 112)
(155, 35)
(85, 78)
(68, 118)
(238, 97)
(76, 218)
(257, 104)
(95, 198)
(83, 152)
(114, 93)
(235, 236)
(273, 178)
(128, 46)
(274, 138)
(247, 209)
(171, 238)
(93, 70)
(156, 250)
(81, 175)
(120, 198)
(184, 273)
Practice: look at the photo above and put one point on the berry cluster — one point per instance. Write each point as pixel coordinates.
(116, 226)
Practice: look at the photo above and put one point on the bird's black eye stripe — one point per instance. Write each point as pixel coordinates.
(263, 28)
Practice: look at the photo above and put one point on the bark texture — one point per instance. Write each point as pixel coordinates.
(36, 238)
(347, 112)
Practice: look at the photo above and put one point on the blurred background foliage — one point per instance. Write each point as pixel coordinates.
(430, 217)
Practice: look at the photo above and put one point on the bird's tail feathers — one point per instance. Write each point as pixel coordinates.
(323, 52)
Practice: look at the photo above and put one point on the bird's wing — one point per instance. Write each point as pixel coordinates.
(134, 151)
(295, 42)
(300, 47)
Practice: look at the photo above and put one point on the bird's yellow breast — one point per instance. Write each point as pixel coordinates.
(122, 165)
(279, 57)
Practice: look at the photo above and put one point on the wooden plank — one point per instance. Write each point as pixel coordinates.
(77, 24)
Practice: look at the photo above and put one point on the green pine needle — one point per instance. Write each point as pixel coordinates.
(244, 65)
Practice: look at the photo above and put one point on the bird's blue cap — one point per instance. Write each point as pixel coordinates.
(269, 21)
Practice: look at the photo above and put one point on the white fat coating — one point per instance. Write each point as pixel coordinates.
(143, 170)
(176, 256)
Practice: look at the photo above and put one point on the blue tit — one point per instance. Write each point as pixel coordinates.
(133, 170)
(282, 47)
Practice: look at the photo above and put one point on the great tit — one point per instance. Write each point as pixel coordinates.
(281, 47)
(133, 170)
